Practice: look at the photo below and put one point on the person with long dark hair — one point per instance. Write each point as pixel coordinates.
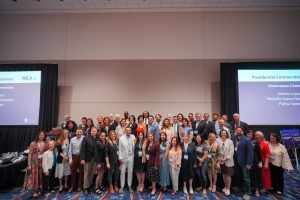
(139, 166)
(279, 162)
(164, 165)
(34, 173)
(71, 126)
(112, 161)
(201, 162)
(141, 126)
(152, 156)
(255, 173)
(174, 155)
(100, 162)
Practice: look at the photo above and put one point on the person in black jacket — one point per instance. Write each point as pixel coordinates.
(238, 123)
(255, 173)
(100, 161)
(112, 161)
(87, 158)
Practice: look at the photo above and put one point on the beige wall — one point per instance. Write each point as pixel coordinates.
(160, 86)
(104, 58)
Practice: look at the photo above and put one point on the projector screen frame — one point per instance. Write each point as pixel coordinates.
(40, 99)
(229, 84)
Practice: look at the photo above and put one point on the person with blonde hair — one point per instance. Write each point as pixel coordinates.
(213, 162)
(49, 165)
(265, 155)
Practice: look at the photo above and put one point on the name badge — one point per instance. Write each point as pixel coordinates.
(209, 156)
(163, 148)
(147, 156)
(40, 156)
(195, 132)
(117, 152)
(139, 153)
(199, 149)
(235, 148)
(272, 156)
(186, 157)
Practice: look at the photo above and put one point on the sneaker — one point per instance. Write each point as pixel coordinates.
(204, 192)
(130, 189)
(121, 190)
(185, 190)
(191, 190)
(246, 197)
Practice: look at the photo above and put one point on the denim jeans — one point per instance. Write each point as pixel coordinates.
(202, 175)
(246, 180)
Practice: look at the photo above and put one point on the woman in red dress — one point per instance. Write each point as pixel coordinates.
(265, 154)
(141, 127)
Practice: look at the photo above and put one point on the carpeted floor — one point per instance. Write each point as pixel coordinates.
(291, 192)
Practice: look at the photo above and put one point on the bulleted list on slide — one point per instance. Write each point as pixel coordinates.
(20, 97)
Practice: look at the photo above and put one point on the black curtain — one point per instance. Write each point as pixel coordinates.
(17, 138)
(229, 89)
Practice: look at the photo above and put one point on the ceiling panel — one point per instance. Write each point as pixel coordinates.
(112, 6)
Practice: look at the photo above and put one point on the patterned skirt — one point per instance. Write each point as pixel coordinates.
(152, 174)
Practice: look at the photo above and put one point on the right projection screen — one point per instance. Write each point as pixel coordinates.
(269, 97)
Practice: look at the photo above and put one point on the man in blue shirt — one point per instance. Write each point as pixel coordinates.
(153, 127)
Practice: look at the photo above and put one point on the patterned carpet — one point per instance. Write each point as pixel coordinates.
(291, 192)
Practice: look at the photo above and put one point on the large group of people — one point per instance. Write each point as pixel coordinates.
(160, 154)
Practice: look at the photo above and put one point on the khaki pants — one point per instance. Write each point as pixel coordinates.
(88, 173)
(174, 173)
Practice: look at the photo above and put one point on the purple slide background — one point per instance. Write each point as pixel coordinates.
(26, 104)
(255, 109)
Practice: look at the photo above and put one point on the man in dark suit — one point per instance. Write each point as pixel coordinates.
(116, 121)
(243, 160)
(197, 126)
(237, 122)
(175, 125)
(208, 126)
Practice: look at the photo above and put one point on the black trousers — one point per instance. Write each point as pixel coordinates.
(277, 178)
(49, 181)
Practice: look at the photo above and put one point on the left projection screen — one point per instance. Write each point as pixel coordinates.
(20, 97)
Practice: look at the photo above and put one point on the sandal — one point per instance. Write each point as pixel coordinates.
(102, 188)
(36, 194)
(98, 191)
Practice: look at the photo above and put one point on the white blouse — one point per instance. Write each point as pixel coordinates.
(280, 156)
(226, 150)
